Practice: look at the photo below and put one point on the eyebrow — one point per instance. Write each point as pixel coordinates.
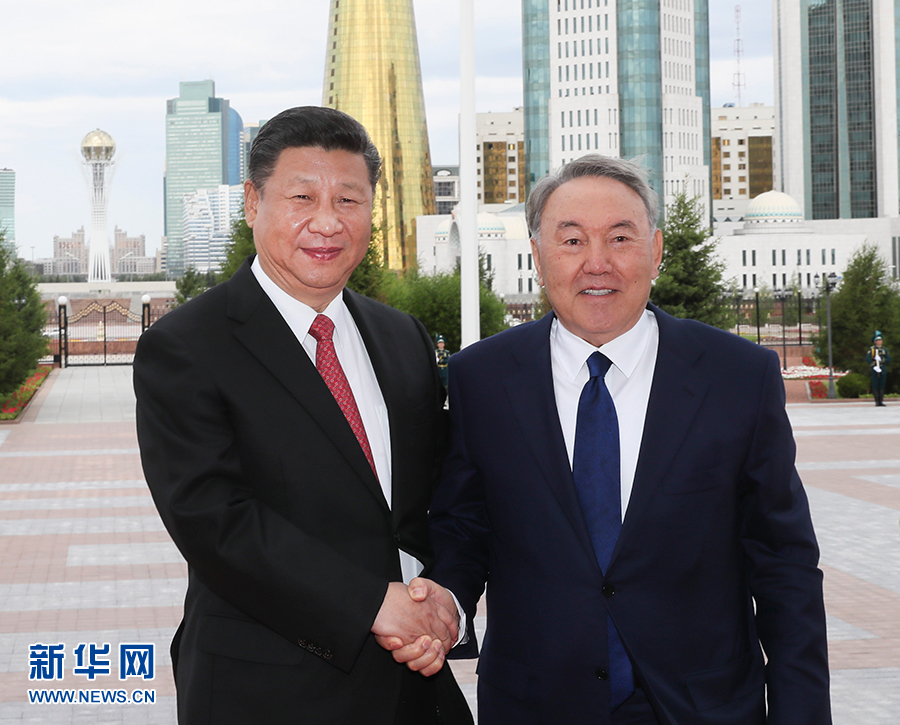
(622, 224)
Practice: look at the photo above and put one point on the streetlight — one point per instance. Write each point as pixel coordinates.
(758, 335)
(828, 282)
(119, 264)
(782, 294)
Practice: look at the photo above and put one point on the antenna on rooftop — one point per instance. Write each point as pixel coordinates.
(738, 81)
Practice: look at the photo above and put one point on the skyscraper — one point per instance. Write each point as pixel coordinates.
(372, 73)
(8, 206)
(500, 157)
(741, 157)
(628, 79)
(201, 152)
(208, 216)
(836, 106)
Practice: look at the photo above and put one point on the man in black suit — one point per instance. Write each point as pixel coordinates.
(291, 432)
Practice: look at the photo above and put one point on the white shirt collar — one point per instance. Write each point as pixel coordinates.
(297, 314)
(624, 351)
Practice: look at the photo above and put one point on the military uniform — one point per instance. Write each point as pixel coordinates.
(878, 359)
(442, 355)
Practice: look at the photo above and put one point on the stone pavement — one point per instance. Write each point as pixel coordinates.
(85, 559)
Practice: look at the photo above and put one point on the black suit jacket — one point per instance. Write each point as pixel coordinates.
(715, 561)
(265, 490)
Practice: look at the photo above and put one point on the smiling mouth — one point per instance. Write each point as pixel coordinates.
(597, 292)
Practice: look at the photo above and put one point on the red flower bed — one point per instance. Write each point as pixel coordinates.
(808, 361)
(817, 389)
(15, 403)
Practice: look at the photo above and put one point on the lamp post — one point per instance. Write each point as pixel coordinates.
(758, 335)
(829, 282)
(782, 294)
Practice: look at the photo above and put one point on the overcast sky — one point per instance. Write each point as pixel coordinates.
(69, 68)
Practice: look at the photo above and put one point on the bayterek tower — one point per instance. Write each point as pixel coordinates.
(98, 149)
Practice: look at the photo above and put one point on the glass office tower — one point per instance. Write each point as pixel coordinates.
(8, 206)
(836, 142)
(625, 79)
(536, 81)
(372, 73)
(197, 156)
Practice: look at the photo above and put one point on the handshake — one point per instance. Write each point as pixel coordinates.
(418, 624)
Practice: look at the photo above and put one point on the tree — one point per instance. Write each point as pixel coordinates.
(435, 301)
(867, 300)
(239, 248)
(22, 320)
(370, 278)
(690, 280)
(192, 284)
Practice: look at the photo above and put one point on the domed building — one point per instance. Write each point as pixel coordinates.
(772, 211)
(775, 247)
(503, 245)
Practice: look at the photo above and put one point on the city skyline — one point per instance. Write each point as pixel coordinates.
(63, 85)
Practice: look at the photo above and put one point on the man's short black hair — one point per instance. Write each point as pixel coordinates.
(306, 126)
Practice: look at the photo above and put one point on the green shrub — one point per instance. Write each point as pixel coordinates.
(852, 385)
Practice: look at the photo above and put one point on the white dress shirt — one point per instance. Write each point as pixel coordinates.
(352, 355)
(633, 357)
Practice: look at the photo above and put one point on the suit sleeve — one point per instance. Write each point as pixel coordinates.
(458, 521)
(782, 556)
(242, 549)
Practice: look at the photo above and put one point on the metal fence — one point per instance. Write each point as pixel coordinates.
(103, 332)
(787, 320)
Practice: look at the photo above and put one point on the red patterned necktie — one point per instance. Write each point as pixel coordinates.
(332, 373)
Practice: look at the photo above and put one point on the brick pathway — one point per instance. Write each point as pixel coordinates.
(84, 557)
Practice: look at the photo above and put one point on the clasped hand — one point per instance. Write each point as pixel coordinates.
(418, 624)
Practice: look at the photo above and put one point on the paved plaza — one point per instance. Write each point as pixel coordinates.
(84, 557)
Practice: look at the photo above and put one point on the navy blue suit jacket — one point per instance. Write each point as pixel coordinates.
(716, 560)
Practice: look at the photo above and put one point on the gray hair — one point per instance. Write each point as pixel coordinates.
(625, 171)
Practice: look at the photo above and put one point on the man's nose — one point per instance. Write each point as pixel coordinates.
(596, 258)
(325, 220)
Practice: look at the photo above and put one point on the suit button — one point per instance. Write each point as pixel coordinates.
(327, 654)
(608, 590)
(602, 674)
(318, 650)
(397, 538)
(302, 643)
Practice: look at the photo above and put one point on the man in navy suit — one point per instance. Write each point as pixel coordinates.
(699, 600)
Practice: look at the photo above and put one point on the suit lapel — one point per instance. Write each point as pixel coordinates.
(529, 387)
(263, 331)
(675, 397)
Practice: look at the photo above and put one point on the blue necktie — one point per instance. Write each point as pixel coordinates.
(597, 480)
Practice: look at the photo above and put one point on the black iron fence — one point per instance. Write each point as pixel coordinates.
(789, 319)
(96, 332)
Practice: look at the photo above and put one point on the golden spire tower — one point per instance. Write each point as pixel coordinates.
(372, 73)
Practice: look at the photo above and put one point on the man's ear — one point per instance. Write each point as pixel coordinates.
(657, 252)
(536, 256)
(251, 202)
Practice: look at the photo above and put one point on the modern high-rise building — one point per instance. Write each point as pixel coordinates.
(203, 150)
(8, 207)
(372, 73)
(208, 216)
(741, 157)
(627, 79)
(500, 157)
(836, 106)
